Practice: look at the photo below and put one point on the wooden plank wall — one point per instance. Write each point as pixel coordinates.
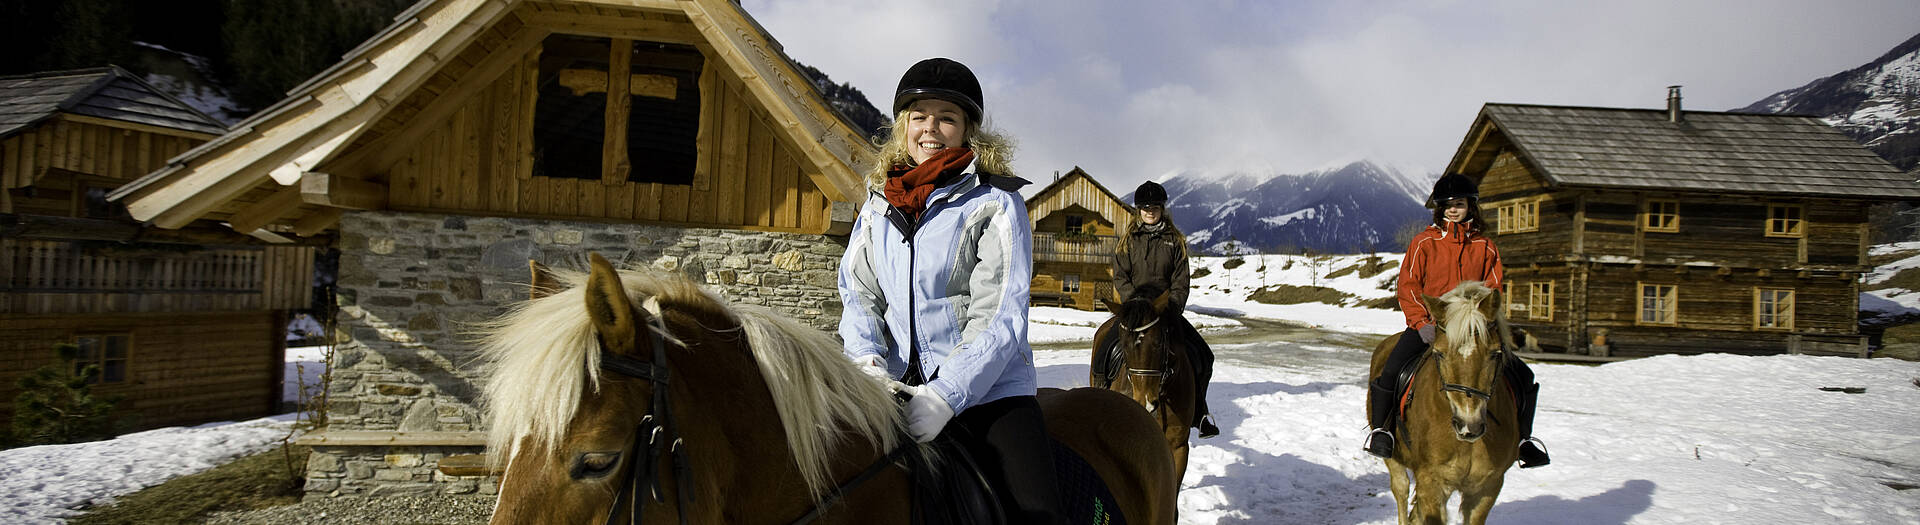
(116, 153)
(1083, 194)
(1507, 180)
(1822, 304)
(182, 368)
(1096, 279)
(478, 159)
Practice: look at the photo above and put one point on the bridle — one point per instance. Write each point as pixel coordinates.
(662, 431)
(1166, 358)
(1500, 353)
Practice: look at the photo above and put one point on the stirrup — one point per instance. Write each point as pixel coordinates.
(1533, 453)
(1380, 443)
(1207, 428)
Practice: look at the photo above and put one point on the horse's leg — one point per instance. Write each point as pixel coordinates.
(1180, 464)
(1478, 501)
(1397, 479)
(1429, 499)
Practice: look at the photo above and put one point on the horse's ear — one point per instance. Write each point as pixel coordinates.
(543, 282)
(1112, 307)
(1160, 301)
(1434, 306)
(1491, 305)
(612, 312)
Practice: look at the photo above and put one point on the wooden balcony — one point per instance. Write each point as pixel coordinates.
(1055, 247)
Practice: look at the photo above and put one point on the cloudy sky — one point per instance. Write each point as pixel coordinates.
(1132, 90)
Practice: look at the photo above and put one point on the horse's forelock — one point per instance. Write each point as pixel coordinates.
(1462, 317)
(1136, 312)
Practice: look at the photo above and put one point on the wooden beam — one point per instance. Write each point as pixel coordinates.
(465, 465)
(391, 439)
(614, 164)
(614, 27)
(326, 189)
(657, 6)
(266, 211)
(317, 222)
(136, 126)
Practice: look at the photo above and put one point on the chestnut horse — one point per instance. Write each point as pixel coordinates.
(619, 397)
(1459, 429)
(1150, 364)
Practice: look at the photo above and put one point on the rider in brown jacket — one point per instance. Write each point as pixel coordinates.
(1153, 258)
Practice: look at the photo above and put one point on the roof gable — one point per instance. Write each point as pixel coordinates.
(1705, 152)
(323, 120)
(1055, 197)
(104, 92)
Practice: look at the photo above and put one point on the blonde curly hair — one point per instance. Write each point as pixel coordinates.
(993, 151)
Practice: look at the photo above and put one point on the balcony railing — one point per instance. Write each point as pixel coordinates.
(1079, 248)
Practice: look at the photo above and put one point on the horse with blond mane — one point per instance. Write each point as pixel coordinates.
(624, 397)
(1459, 419)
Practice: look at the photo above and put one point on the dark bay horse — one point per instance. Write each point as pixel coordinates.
(1149, 363)
(1460, 429)
(612, 390)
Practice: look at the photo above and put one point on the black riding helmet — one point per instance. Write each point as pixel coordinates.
(1149, 194)
(943, 79)
(1452, 186)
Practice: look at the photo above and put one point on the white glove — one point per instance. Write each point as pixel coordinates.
(872, 365)
(927, 412)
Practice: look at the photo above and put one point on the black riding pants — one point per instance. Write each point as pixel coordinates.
(1008, 439)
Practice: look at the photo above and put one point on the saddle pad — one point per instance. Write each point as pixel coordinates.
(1083, 495)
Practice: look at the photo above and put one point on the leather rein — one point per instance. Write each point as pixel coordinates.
(661, 432)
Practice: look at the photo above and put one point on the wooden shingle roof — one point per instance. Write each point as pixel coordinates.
(1705, 152)
(105, 92)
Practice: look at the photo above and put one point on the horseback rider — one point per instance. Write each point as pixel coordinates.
(1448, 252)
(1152, 258)
(934, 282)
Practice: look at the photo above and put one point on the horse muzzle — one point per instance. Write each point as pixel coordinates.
(1469, 429)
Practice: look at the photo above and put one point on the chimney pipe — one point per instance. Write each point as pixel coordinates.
(1673, 104)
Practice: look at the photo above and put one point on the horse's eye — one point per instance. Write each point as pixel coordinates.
(594, 465)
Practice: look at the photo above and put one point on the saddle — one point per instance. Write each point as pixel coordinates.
(956, 493)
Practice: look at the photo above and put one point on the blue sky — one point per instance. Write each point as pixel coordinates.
(1133, 90)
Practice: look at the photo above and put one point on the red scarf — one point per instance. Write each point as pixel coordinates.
(908, 188)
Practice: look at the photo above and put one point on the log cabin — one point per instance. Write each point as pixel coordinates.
(186, 324)
(1635, 232)
(1076, 227)
(474, 135)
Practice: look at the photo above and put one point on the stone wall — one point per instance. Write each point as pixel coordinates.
(411, 284)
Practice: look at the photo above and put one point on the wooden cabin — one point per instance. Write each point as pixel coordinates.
(186, 324)
(472, 136)
(1633, 232)
(1077, 224)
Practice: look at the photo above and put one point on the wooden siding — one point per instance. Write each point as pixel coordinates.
(60, 277)
(1509, 181)
(478, 160)
(112, 153)
(1079, 192)
(1096, 282)
(181, 369)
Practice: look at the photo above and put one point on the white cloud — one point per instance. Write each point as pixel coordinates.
(1131, 90)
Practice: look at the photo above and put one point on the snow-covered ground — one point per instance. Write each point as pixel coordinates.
(1901, 300)
(1696, 439)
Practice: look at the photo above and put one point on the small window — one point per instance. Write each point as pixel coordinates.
(1540, 301)
(661, 101)
(1070, 283)
(1785, 220)
(107, 351)
(1659, 304)
(1773, 309)
(1526, 216)
(1661, 216)
(1503, 220)
(1076, 224)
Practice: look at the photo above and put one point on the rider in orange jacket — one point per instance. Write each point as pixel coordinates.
(1450, 251)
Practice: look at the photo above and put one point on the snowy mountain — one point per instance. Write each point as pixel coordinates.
(1878, 104)
(1358, 207)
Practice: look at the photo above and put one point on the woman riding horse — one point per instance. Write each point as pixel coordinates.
(935, 281)
(1153, 258)
(1449, 251)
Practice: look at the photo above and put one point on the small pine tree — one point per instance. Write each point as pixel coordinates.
(56, 404)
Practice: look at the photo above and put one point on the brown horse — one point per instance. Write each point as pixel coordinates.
(613, 390)
(1157, 374)
(1459, 431)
